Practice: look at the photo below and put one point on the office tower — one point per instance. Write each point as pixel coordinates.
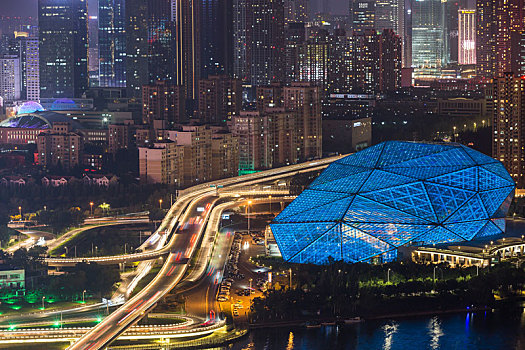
(220, 99)
(265, 41)
(163, 101)
(509, 19)
(363, 15)
(10, 78)
(407, 36)
(93, 50)
(428, 38)
(188, 48)
(305, 101)
(295, 11)
(137, 47)
(63, 48)
(216, 29)
(26, 48)
(239, 40)
(149, 44)
(389, 14)
(112, 43)
(507, 124)
(467, 36)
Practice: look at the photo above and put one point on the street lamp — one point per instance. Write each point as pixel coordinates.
(20, 212)
(454, 134)
(83, 292)
(248, 211)
(388, 275)
(270, 196)
(43, 299)
(91, 205)
(160, 203)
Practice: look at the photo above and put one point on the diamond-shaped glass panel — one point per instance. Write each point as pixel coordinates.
(366, 210)
(446, 200)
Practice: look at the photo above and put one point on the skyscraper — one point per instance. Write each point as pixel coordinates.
(363, 13)
(486, 33)
(216, 37)
(239, 40)
(10, 82)
(26, 48)
(63, 48)
(295, 11)
(112, 43)
(187, 47)
(467, 36)
(507, 125)
(428, 38)
(265, 41)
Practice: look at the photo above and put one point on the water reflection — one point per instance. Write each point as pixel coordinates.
(389, 329)
(435, 331)
(499, 330)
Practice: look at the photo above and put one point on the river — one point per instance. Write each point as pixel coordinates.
(496, 330)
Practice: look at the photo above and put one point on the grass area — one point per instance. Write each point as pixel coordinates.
(107, 239)
(146, 280)
(17, 307)
(60, 248)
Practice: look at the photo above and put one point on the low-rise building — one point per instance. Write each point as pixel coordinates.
(12, 279)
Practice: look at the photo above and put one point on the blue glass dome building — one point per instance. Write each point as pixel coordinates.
(366, 205)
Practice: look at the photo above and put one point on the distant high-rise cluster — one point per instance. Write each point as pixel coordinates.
(267, 73)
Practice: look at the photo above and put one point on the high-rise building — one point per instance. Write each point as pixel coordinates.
(486, 33)
(239, 40)
(112, 43)
(295, 38)
(161, 163)
(467, 36)
(163, 101)
(295, 11)
(363, 13)
(225, 155)
(63, 48)
(25, 47)
(149, 44)
(136, 47)
(428, 38)
(314, 60)
(265, 56)
(220, 99)
(499, 24)
(508, 120)
(341, 64)
(10, 78)
(389, 14)
(216, 30)
(188, 51)
(93, 51)
(305, 101)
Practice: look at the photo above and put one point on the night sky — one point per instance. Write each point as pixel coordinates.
(29, 7)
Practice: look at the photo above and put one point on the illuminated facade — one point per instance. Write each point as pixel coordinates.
(428, 38)
(467, 36)
(366, 205)
(112, 43)
(63, 47)
(508, 117)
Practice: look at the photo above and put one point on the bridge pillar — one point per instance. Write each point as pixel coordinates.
(121, 266)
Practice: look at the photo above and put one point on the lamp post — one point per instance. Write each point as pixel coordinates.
(20, 212)
(160, 203)
(83, 292)
(270, 196)
(454, 134)
(91, 208)
(435, 274)
(388, 275)
(43, 300)
(248, 211)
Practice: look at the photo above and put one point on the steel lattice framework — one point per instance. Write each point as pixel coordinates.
(370, 203)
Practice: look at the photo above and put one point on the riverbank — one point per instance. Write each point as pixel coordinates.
(302, 322)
